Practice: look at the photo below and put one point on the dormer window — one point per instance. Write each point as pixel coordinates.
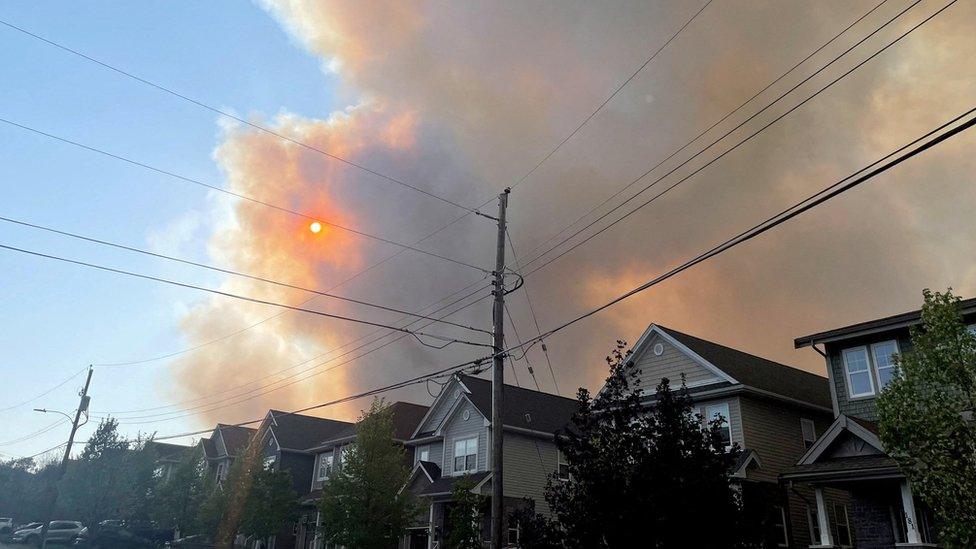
(325, 466)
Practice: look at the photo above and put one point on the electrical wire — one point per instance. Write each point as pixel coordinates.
(231, 272)
(238, 119)
(241, 195)
(45, 393)
(712, 126)
(35, 434)
(729, 150)
(239, 296)
(535, 319)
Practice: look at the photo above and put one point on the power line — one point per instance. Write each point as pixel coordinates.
(881, 165)
(729, 150)
(712, 126)
(291, 379)
(35, 434)
(416, 335)
(239, 195)
(226, 114)
(535, 319)
(42, 452)
(231, 272)
(600, 107)
(45, 393)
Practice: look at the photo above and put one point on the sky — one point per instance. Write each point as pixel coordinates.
(460, 99)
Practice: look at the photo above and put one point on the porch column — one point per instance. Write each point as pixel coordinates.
(911, 518)
(826, 539)
(430, 528)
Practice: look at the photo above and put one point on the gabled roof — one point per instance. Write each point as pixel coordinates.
(209, 449)
(966, 306)
(445, 485)
(524, 408)
(236, 438)
(406, 418)
(298, 432)
(758, 372)
(168, 452)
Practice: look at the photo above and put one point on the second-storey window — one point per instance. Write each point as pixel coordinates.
(809, 432)
(884, 361)
(423, 452)
(562, 468)
(721, 412)
(325, 466)
(466, 455)
(858, 372)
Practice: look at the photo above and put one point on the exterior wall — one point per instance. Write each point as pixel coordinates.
(459, 428)
(671, 364)
(436, 453)
(862, 407)
(528, 463)
(300, 466)
(441, 407)
(773, 430)
(871, 516)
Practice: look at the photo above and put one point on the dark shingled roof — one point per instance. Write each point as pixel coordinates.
(406, 417)
(236, 438)
(298, 432)
(445, 485)
(209, 449)
(432, 469)
(524, 408)
(168, 452)
(966, 306)
(843, 465)
(759, 372)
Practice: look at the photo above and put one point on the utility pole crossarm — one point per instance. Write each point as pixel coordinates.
(498, 379)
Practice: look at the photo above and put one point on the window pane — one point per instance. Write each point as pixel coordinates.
(721, 412)
(471, 461)
(861, 383)
(856, 360)
(459, 463)
(883, 361)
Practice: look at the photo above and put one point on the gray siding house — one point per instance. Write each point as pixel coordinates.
(774, 412)
(849, 455)
(452, 442)
(225, 444)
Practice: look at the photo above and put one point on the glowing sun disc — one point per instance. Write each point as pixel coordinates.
(315, 227)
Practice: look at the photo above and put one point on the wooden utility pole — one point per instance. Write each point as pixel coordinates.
(498, 379)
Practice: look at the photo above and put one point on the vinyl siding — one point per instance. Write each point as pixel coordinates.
(773, 430)
(443, 405)
(672, 364)
(436, 453)
(458, 428)
(528, 462)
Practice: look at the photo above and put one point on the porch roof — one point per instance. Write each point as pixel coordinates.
(848, 468)
(445, 485)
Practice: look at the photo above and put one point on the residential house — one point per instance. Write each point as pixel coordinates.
(329, 457)
(849, 455)
(168, 457)
(286, 442)
(225, 444)
(452, 442)
(772, 411)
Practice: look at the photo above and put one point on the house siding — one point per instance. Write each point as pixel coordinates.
(528, 463)
(458, 428)
(672, 364)
(436, 453)
(773, 430)
(441, 408)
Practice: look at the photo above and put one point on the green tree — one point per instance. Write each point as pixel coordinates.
(638, 475)
(362, 505)
(176, 501)
(926, 417)
(270, 504)
(467, 511)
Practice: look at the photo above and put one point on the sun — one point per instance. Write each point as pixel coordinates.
(315, 227)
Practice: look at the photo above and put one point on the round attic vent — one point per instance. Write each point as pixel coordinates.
(466, 415)
(658, 349)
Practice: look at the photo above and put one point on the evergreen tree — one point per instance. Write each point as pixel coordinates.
(465, 517)
(644, 474)
(363, 505)
(927, 417)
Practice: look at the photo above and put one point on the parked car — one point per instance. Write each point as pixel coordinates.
(198, 541)
(59, 531)
(6, 525)
(112, 534)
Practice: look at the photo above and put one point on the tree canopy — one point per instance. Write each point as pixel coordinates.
(926, 417)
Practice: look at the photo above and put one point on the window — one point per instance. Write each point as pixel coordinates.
(562, 468)
(466, 455)
(813, 522)
(423, 452)
(221, 468)
(884, 361)
(514, 533)
(859, 382)
(269, 461)
(325, 466)
(720, 412)
(842, 526)
(779, 527)
(809, 432)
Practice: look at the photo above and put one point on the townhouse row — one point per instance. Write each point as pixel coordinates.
(812, 463)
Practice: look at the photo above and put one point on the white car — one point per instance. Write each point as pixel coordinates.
(6, 525)
(59, 531)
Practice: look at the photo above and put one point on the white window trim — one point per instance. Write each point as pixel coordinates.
(720, 406)
(847, 523)
(454, 456)
(813, 429)
(319, 476)
(813, 525)
(847, 372)
(874, 362)
(420, 451)
(786, 534)
(561, 460)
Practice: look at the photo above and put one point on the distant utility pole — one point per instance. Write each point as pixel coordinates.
(498, 379)
(82, 407)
